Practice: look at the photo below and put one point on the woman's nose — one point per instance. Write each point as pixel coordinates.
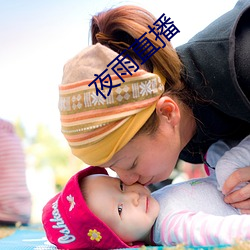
(126, 177)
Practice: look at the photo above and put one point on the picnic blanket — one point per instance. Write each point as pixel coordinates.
(33, 238)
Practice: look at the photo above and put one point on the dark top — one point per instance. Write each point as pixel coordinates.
(217, 67)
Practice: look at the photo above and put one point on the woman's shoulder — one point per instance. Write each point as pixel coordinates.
(209, 65)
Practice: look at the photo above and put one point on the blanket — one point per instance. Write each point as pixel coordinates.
(33, 238)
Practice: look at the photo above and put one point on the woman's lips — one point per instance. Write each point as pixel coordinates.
(148, 183)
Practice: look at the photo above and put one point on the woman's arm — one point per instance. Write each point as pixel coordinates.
(237, 157)
(233, 175)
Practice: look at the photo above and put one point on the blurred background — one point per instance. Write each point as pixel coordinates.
(36, 40)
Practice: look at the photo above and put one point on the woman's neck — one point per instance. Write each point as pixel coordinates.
(187, 125)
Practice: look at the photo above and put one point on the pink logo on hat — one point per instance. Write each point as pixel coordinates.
(67, 237)
(72, 203)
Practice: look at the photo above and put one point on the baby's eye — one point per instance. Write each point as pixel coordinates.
(121, 186)
(120, 206)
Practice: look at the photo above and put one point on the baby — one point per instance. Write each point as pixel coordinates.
(96, 211)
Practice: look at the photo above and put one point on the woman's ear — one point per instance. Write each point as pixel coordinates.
(168, 110)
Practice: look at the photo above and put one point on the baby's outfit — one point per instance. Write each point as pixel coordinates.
(194, 212)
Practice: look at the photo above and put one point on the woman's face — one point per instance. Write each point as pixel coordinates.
(147, 159)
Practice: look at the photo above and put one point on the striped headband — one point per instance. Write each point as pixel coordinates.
(97, 122)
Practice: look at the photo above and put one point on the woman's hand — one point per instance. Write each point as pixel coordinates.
(240, 198)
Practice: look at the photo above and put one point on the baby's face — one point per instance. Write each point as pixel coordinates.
(130, 211)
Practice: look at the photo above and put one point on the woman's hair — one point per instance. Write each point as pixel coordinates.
(119, 27)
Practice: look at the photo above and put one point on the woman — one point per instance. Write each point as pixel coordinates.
(206, 97)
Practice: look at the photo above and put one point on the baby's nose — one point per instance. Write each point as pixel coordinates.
(133, 197)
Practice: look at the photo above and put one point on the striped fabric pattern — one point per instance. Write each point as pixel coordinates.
(87, 118)
(15, 200)
(202, 229)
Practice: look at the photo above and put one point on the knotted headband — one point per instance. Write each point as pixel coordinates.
(97, 125)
